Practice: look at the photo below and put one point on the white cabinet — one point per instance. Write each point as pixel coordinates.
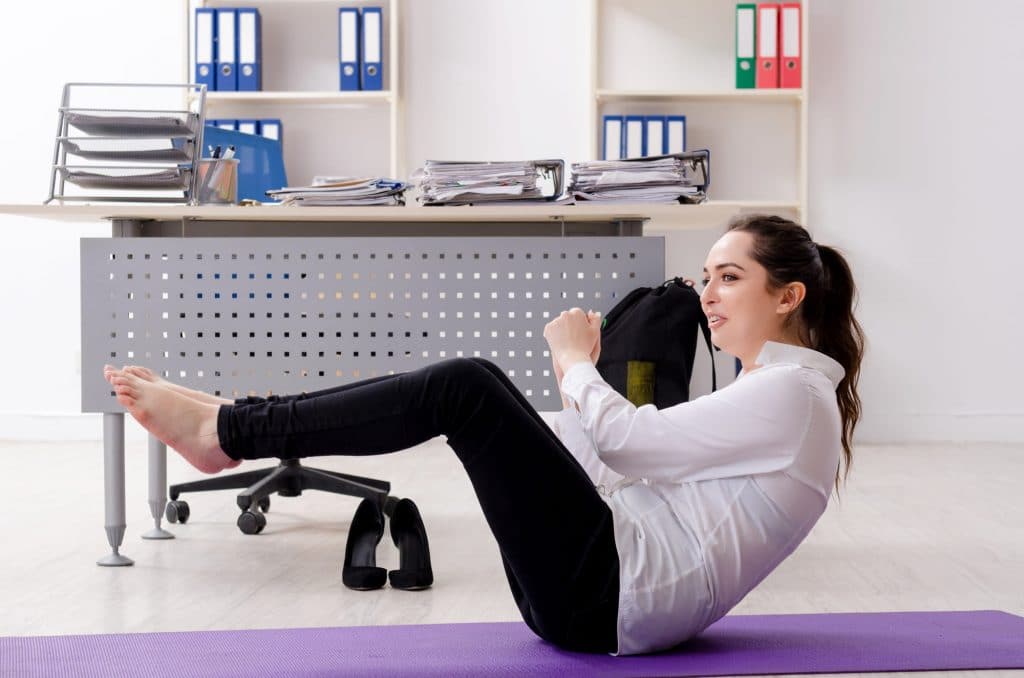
(657, 57)
(326, 131)
(677, 57)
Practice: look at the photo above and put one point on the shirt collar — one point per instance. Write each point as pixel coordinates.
(776, 352)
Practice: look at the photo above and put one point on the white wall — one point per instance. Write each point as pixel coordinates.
(897, 90)
(47, 45)
(915, 150)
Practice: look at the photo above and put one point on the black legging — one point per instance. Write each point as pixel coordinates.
(553, 529)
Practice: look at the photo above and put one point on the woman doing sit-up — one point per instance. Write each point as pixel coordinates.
(622, 529)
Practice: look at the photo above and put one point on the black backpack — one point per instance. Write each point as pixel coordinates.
(649, 341)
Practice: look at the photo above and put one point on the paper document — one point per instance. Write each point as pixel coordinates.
(679, 177)
(344, 191)
(466, 183)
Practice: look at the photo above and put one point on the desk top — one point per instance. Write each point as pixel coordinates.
(711, 214)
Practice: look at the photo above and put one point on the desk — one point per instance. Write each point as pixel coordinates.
(710, 214)
(179, 221)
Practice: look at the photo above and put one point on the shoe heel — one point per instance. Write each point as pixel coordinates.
(414, 572)
(360, 571)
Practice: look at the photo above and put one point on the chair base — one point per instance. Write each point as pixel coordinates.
(290, 479)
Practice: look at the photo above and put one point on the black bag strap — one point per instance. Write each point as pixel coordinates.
(704, 329)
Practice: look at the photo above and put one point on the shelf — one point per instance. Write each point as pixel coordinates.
(612, 95)
(333, 98)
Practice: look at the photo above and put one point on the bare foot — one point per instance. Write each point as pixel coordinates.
(183, 424)
(109, 371)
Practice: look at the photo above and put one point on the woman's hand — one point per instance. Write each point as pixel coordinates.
(595, 319)
(573, 337)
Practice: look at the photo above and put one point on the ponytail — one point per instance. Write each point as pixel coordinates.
(826, 317)
(839, 336)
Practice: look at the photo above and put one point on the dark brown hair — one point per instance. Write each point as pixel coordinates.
(827, 323)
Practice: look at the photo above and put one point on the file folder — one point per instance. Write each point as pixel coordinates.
(613, 139)
(634, 134)
(348, 48)
(789, 45)
(745, 55)
(675, 134)
(250, 48)
(271, 129)
(767, 45)
(248, 126)
(206, 40)
(260, 162)
(371, 64)
(227, 50)
(654, 135)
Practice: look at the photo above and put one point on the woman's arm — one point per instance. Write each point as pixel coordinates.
(595, 353)
(558, 381)
(755, 425)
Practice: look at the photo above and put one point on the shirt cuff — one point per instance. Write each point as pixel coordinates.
(564, 422)
(578, 376)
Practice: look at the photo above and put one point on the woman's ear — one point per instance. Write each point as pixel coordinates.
(792, 295)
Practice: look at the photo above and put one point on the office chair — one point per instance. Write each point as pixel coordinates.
(287, 479)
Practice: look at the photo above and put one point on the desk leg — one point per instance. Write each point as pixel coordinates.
(113, 488)
(157, 488)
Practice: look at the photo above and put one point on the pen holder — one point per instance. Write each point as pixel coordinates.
(218, 181)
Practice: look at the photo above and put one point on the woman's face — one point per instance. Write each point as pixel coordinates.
(741, 311)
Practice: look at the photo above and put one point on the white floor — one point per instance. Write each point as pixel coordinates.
(938, 527)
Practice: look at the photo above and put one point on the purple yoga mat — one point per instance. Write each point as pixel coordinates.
(736, 645)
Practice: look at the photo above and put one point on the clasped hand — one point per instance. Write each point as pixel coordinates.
(574, 336)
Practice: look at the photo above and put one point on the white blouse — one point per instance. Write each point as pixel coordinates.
(710, 495)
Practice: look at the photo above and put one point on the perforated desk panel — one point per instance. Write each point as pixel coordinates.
(240, 316)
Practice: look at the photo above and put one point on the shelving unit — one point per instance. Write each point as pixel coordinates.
(794, 95)
(326, 131)
(757, 137)
(301, 97)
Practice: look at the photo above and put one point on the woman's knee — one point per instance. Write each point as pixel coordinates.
(464, 368)
(488, 365)
(462, 375)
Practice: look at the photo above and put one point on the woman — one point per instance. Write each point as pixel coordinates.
(622, 529)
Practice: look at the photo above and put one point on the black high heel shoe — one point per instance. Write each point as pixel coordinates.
(409, 535)
(360, 571)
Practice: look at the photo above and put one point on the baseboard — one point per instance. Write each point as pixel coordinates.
(923, 427)
(77, 426)
(892, 429)
(60, 427)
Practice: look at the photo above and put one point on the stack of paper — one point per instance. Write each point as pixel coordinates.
(343, 191)
(671, 178)
(463, 183)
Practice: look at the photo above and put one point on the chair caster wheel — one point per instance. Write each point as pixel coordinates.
(251, 522)
(264, 504)
(176, 512)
